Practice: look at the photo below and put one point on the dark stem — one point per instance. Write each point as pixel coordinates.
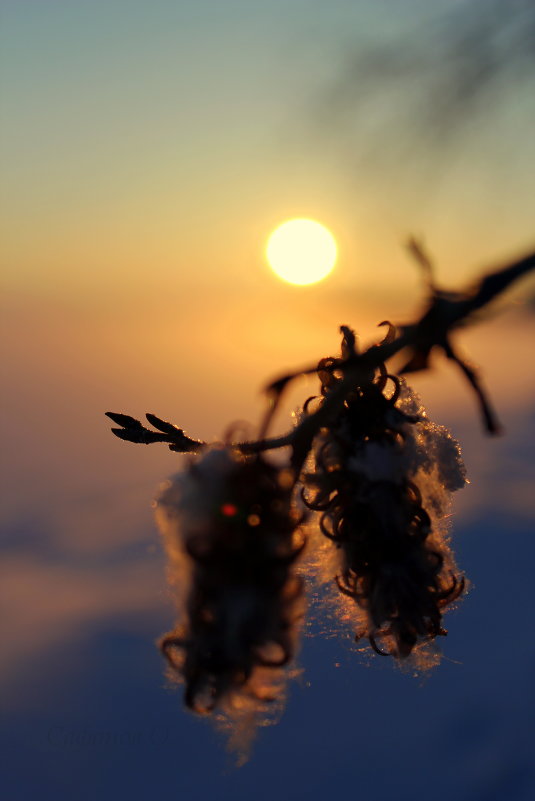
(445, 312)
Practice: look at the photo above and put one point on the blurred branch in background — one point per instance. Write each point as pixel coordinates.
(447, 68)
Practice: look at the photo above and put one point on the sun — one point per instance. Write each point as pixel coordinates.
(301, 251)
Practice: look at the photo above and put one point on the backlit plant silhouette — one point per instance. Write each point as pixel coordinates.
(366, 483)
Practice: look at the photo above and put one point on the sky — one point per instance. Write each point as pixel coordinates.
(128, 127)
(147, 151)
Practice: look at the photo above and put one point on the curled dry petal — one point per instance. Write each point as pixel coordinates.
(382, 480)
(232, 542)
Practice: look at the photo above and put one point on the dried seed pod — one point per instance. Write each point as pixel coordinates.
(382, 483)
(231, 538)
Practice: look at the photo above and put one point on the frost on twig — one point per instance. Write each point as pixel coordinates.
(231, 536)
(377, 477)
(381, 482)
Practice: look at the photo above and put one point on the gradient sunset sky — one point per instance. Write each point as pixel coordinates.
(148, 149)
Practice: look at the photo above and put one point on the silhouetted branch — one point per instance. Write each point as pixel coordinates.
(133, 431)
(378, 479)
(445, 312)
(491, 422)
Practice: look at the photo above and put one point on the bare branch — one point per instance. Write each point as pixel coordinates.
(445, 312)
(418, 252)
(133, 431)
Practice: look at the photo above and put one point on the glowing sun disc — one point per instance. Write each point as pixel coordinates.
(301, 251)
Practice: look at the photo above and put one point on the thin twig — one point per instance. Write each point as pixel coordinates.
(445, 312)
